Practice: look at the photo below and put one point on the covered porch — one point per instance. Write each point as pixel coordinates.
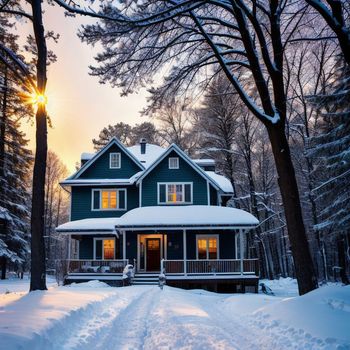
(184, 243)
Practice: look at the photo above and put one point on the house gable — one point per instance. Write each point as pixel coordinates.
(185, 173)
(99, 166)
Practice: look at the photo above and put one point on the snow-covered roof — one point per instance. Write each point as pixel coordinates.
(223, 182)
(187, 216)
(204, 162)
(86, 156)
(152, 153)
(96, 225)
(88, 182)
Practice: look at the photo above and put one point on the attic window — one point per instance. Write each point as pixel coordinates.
(173, 163)
(114, 160)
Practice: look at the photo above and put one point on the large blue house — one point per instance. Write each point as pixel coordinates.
(160, 211)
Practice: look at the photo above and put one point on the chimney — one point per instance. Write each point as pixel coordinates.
(143, 143)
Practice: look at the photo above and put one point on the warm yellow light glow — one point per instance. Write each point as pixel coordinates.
(38, 99)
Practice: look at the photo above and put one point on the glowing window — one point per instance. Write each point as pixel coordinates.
(174, 193)
(207, 247)
(108, 249)
(104, 248)
(109, 199)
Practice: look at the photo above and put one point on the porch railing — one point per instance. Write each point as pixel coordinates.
(96, 266)
(220, 266)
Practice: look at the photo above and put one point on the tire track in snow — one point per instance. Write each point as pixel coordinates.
(130, 327)
(82, 326)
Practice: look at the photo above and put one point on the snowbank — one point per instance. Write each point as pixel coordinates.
(320, 318)
(95, 316)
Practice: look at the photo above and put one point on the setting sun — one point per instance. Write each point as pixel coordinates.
(37, 99)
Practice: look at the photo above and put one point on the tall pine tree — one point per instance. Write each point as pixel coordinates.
(332, 147)
(15, 163)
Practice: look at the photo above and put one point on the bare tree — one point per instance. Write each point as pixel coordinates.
(243, 39)
(56, 204)
(336, 15)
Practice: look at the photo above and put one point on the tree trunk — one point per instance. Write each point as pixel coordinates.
(304, 269)
(38, 264)
(342, 260)
(3, 264)
(3, 138)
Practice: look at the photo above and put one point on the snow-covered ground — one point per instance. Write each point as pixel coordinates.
(95, 316)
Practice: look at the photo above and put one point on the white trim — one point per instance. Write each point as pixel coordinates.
(69, 246)
(113, 141)
(110, 190)
(168, 228)
(184, 233)
(241, 250)
(140, 194)
(119, 160)
(104, 239)
(177, 163)
(236, 246)
(186, 158)
(163, 248)
(208, 192)
(166, 193)
(124, 245)
(207, 236)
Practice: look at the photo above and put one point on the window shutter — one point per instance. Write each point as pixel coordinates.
(188, 193)
(96, 199)
(121, 199)
(162, 194)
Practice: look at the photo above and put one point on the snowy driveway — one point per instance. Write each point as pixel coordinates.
(93, 316)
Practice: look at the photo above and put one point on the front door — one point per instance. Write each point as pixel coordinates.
(153, 254)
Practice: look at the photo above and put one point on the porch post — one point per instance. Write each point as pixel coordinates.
(185, 252)
(69, 257)
(124, 245)
(69, 246)
(241, 249)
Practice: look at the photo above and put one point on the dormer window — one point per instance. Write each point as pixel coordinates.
(173, 162)
(114, 160)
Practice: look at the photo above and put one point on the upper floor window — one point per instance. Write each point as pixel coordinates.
(109, 199)
(175, 193)
(173, 162)
(114, 161)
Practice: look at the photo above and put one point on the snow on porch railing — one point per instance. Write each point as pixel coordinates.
(96, 266)
(221, 266)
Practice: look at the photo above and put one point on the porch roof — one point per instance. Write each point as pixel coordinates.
(92, 226)
(201, 216)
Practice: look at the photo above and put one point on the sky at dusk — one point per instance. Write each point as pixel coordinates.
(78, 105)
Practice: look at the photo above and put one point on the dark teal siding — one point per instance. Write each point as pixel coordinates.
(100, 168)
(81, 202)
(162, 173)
(86, 246)
(213, 196)
(175, 245)
(131, 246)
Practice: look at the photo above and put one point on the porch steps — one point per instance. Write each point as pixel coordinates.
(146, 279)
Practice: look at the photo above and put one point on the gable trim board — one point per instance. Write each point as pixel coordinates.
(113, 141)
(186, 158)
